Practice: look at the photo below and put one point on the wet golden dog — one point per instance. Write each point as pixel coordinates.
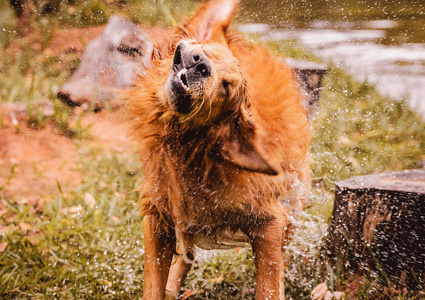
(224, 139)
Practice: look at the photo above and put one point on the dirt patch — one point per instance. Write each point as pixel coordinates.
(34, 162)
(109, 131)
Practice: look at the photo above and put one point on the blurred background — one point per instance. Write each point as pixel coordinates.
(381, 41)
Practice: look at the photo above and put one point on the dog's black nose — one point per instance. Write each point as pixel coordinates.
(200, 64)
(196, 63)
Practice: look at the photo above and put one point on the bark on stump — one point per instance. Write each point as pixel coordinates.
(378, 224)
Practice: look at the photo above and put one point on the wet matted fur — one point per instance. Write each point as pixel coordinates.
(224, 139)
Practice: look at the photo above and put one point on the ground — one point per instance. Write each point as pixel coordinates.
(34, 161)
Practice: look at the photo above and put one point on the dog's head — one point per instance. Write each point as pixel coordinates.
(206, 86)
(205, 82)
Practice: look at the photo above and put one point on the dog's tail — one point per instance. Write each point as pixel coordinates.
(210, 21)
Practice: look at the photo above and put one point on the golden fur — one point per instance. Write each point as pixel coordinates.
(208, 172)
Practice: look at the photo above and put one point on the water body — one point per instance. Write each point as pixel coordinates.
(381, 41)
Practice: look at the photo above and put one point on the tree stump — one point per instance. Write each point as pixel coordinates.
(378, 224)
(309, 75)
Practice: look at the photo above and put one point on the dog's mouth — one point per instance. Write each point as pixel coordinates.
(181, 75)
(180, 92)
(189, 71)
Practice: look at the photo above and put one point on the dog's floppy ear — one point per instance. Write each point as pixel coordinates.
(236, 146)
(211, 20)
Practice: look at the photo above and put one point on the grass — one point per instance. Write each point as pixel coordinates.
(84, 244)
(89, 243)
(358, 131)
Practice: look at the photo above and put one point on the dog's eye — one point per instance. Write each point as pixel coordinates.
(225, 87)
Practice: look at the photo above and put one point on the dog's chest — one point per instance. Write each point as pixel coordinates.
(217, 219)
(218, 209)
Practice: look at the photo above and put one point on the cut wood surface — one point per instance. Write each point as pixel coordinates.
(378, 224)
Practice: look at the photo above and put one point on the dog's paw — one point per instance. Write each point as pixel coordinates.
(169, 295)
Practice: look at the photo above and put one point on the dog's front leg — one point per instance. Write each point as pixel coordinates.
(178, 273)
(266, 246)
(158, 254)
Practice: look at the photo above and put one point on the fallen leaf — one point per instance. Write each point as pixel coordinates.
(34, 241)
(75, 211)
(24, 226)
(3, 246)
(333, 295)
(89, 199)
(4, 229)
(216, 280)
(319, 291)
(11, 218)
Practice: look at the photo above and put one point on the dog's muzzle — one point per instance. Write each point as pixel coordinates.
(190, 68)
